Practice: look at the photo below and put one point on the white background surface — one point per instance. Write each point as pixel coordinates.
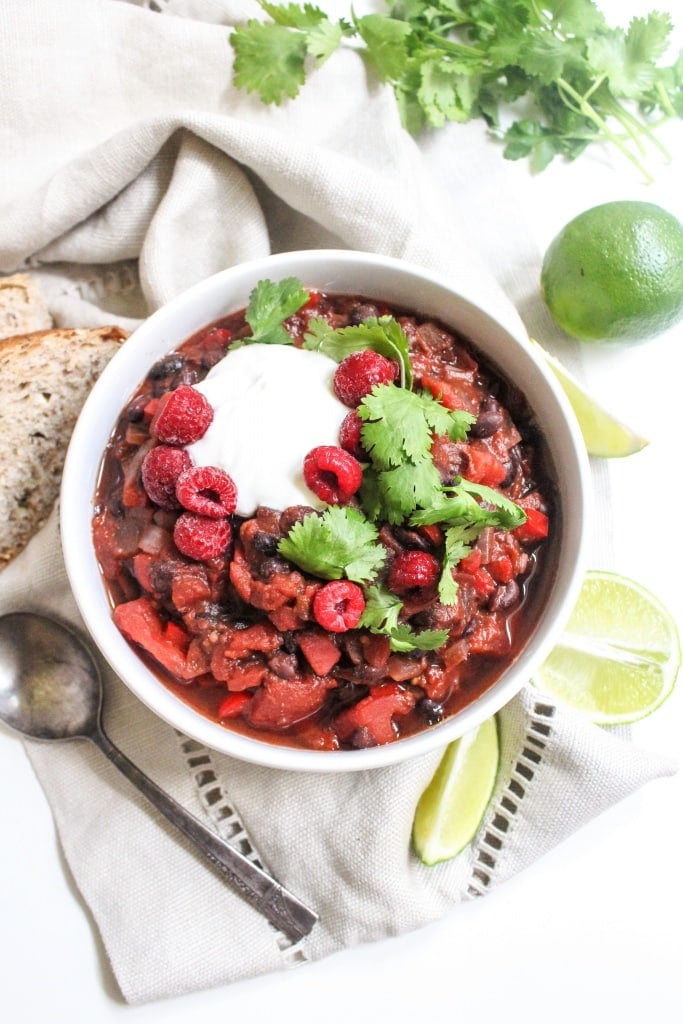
(592, 931)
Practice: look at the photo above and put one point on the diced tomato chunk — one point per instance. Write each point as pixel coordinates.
(140, 622)
(375, 713)
(490, 636)
(142, 564)
(237, 673)
(319, 650)
(233, 705)
(536, 526)
(190, 587)
(483, 466)
(279, 703)
(484, 583)
(262, 637)
(501, 569)
(470, 563)
(176, 635)
(446, 393)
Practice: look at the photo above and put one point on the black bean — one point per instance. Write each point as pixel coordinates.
(362, 739)
(489, 420)
(284, 665)
(265, 543)
(411, 538)
(504, 596)
(166, 367)
(429, 711)
(363, 311)
(289, 641)
(270, 566)
(136, 410)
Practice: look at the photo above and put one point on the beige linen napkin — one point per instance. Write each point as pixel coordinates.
(130, 174)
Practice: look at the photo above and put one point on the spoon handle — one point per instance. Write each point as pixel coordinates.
(266, 895)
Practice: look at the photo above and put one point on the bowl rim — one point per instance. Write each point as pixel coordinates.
(159, 333)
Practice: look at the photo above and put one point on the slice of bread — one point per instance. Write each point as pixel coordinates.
(22, 307)
(45, 378)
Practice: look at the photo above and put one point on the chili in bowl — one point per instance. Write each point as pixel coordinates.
(335, 512)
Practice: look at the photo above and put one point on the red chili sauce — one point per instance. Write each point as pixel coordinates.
(235, 637)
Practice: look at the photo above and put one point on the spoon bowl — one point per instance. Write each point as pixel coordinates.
(51, 689)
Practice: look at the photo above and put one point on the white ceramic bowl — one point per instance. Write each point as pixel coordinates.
(334, 271)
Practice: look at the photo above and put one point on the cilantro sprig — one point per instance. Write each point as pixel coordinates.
(397, 433)
(270, 304)
(381, 615)
(582, 81)
(337, 542)
(383, 334)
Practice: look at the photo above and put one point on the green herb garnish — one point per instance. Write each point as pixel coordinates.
(397, 433)
(381, 615)
(458, 506)
(337, 542)
(455, 60)
(383, 334)
(270, 303)
(458, 542)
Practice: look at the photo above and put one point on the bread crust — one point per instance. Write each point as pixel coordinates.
(45, 377)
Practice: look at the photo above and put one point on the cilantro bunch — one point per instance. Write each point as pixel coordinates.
(580, 80)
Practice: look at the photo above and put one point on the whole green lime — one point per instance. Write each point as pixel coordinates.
(615, 273)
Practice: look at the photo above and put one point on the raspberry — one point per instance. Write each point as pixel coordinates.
(201, 538)
(357, 375)
(338, 606)
(182, 416)
(413, 569)
(350, 436)
(332, 474)
(161, 467)
(207, 490)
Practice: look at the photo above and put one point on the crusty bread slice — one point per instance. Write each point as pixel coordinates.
(22, 307)
(45, 378)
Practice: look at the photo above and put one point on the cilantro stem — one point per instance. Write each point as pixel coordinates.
(665, 100)
(451, 47)
(581, 106)
(640, 126)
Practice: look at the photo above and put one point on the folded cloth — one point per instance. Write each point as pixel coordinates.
(134, 172)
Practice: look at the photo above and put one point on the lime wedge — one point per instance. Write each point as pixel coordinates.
(619, 656)
(605, 436)
(450, 810)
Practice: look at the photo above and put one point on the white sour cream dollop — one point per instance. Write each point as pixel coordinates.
(272, 405)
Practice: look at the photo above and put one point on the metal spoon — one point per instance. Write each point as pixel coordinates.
(50, 689)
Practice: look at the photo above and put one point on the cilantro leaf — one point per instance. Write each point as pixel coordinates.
(458, 506)
(393, 494)
(445, 94)
(399, 424)
(270, 303)
(382, 609)
(381, 615)
(457, 544)
(505, 513)
(269, 60)
(628, 60)
(403, 638)
(323, 39)
(385, 42)
(382, 334)
(303, 16)
(395, 426)
(338, 542)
